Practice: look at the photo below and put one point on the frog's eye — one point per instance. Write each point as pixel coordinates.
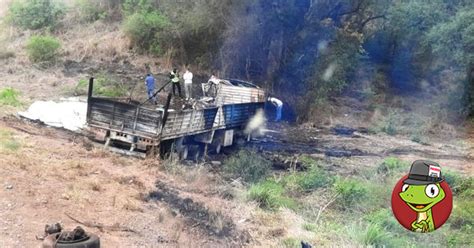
(431, 190)
(404, 187)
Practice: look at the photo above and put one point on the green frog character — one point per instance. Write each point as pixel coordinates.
(421, 191)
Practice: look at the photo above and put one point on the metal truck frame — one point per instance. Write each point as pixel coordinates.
(156, 131)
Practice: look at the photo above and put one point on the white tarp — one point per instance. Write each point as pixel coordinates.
(68, 113)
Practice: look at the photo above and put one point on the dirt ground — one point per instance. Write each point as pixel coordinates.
(51, 175)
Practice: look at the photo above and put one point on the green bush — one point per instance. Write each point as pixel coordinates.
(9, 96)
(384, 217)
(392, 165)
(103, 86)
(248, 165)
(351, 192)
(389, 124)
(463, 214)
(460, 185)
(146, 30)
(291, 243)
(92, 10)
(308, 180)
(43, 48)
(35, 14)
(375, 235)
(270, 195)
(310, 227)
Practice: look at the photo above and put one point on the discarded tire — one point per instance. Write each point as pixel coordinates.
(92, 241)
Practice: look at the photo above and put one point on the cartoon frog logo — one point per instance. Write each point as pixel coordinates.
(421, 191)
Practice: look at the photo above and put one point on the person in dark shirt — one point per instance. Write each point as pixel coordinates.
(150, 87)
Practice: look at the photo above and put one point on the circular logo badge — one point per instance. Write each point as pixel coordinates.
(422, 200)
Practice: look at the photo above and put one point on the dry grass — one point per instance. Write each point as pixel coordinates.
(96, 185)
(132, 205)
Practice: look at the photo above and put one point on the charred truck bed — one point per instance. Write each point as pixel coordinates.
(126, 124)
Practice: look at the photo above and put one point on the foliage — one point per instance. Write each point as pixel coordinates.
(291, 243)
(384, 218)
(9, 96)
(133, 6)
(374, 235)
(93, 10)
(453, 39)
(392, 165)
(35, 14)
(43, 48)
(351, 192)
(463, 214)
(309, 227)
(308, 180)
(462, 186)
(248, 165)
(103, 86)
(335, 66)
(146, 30)
(270, 195)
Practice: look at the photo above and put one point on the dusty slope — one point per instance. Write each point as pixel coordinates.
(49, 173)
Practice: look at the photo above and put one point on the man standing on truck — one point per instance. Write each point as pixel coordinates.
(174, 76)
(188, 84)
(150, 87)
(278, 105)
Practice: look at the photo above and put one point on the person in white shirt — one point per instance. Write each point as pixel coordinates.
(213, 79)
(188, 84)
(278, 105)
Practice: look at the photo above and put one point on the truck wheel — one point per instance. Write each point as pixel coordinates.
(92, 241)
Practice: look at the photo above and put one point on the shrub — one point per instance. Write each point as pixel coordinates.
(270, 195)
(91, 10)
(351, 192)
(43, 48)
(383, 217)
(374, 235)
(9, 96)
(35, 14)
(391, 165)
(389, 124)
(103, 86)
(309, 227)
(145, 30)
(308, 180)
(291, 243)
(248, 165)
(463, 214)
(460, 185)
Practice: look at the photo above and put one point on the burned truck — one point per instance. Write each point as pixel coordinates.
(209, 124)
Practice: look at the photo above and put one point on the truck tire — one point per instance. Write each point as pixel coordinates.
(92, 242)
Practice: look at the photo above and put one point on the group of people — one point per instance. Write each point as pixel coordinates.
(188, 82)
(175, 81)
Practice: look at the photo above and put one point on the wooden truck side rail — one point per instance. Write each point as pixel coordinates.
(188, 122)
(145, 129)
(124, 117)
(227, 94)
